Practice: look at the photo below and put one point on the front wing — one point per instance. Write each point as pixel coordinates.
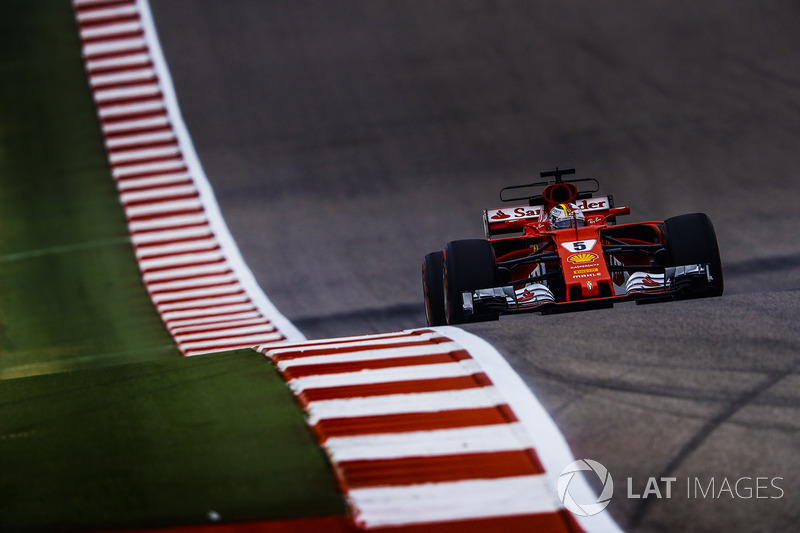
(642, 287)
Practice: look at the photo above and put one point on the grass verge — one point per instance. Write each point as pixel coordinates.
(102, 425)
(70, 291)
(158, 444)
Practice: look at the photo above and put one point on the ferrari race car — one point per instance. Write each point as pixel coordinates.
(563, 251)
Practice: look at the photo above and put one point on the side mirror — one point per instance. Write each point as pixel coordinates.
(517, 223)
(618, 211)
(610, 218)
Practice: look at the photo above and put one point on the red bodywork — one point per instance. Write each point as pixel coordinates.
(577, 253)
(525, 265)
(584, 261)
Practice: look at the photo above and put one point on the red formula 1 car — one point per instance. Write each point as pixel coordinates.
(564, 251)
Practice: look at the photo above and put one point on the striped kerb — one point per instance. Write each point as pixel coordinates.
(193, 283)
(418, 434)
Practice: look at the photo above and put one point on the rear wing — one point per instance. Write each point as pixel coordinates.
(505, 220)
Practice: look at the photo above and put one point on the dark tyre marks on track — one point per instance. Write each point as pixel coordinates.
(345, 140)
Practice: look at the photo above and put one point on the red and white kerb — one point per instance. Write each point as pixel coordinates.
(190, 266)
(418, 433)
(428, 430)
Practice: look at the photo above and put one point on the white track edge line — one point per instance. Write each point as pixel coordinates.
(217, 223)
(549, 443)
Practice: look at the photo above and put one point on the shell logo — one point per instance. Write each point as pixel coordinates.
(583, 257)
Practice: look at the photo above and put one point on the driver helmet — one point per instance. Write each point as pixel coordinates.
(566, 216)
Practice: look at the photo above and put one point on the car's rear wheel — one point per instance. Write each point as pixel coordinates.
(432, 280)
(691, 240)
(468, 265)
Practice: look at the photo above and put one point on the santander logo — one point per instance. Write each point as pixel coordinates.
(515, 212)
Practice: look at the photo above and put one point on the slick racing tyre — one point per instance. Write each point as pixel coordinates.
(432, 280)
(468, 265)
(691, 240)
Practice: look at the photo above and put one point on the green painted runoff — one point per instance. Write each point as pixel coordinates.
(70, 292)
(103, 425)
(158, 444)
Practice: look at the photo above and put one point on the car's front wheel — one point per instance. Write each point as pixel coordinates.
(468, 265)
(691, 240)
(433, 291)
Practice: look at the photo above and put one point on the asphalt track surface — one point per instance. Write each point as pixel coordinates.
(345, 140)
